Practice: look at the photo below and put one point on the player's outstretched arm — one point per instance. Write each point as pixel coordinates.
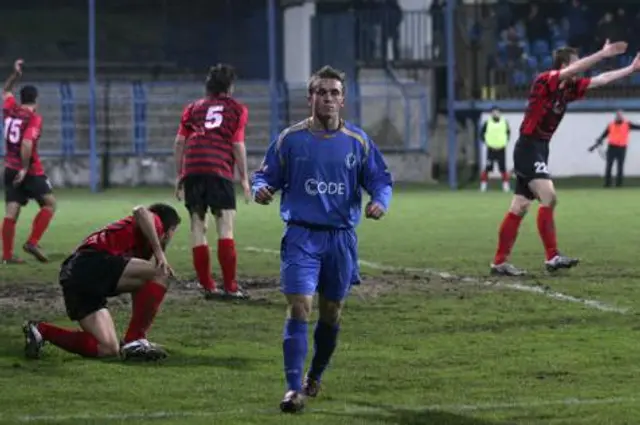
(269, 178)
(617, 74)
(11, 81)
(584, 64)
(377, 181)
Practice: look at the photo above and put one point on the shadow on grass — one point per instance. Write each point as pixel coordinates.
(12, 357)
(407, 416)
(58, 257)
(186, 359)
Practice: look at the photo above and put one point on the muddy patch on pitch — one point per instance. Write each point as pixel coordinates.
(42, 298)
(403, 283)
(31, 296)
(261, 289)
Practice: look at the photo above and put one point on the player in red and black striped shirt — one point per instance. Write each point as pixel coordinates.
(550, 94)
(24, 176)
(126, 256)
(208, 146)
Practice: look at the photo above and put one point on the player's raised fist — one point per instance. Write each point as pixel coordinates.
(374, 211)
(614, 49)
(264, 196)
(17, 66)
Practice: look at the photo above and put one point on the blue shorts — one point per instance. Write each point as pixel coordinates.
(322, 261)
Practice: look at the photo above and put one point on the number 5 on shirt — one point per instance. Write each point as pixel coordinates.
(214, 117)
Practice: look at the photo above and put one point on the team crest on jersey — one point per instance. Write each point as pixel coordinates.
(350, 161)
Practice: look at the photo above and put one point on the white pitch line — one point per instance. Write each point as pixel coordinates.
(515, 286)
(349, 409)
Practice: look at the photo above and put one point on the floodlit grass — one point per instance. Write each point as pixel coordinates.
(415, 349)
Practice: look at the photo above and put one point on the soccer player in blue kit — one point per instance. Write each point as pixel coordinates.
(320, 165)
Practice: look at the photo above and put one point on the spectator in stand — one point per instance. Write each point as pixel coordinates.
(624, 20)
(437, 26)
(578, 26)
(514, 48)
(634, 43)
(609, 28)
(503, 14)
(537, 27)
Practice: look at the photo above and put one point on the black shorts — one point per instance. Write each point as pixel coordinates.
(88, 278)
(203, 192)
(32, 187)
(530, 162)
(496, 156)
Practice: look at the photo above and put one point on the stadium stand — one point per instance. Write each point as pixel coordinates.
(527, 33)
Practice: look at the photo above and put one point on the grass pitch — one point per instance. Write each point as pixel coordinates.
(416, 348)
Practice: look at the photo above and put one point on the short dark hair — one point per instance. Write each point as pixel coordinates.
(220, 79)
(167, 214)
(28, 95)
(562, 56)
(326, 73)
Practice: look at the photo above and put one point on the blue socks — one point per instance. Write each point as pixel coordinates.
(294, 350)
(325, 340)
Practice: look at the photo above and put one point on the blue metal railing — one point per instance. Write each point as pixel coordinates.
(139, 118)
(144, 120)
(67, 119)
(385, 34)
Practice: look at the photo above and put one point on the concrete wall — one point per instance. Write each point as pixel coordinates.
(159, 170)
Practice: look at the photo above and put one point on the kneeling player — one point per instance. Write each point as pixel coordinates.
(112, 261)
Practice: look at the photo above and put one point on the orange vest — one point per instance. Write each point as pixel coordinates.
(619, 133)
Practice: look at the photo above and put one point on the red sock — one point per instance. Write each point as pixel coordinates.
(228, 263)
(40, 224)
(202, 264)
(77, 342)
(484, 176)
(505, 177)
(507, 237)
(146, 303)
(547, 231)
(8, 235)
